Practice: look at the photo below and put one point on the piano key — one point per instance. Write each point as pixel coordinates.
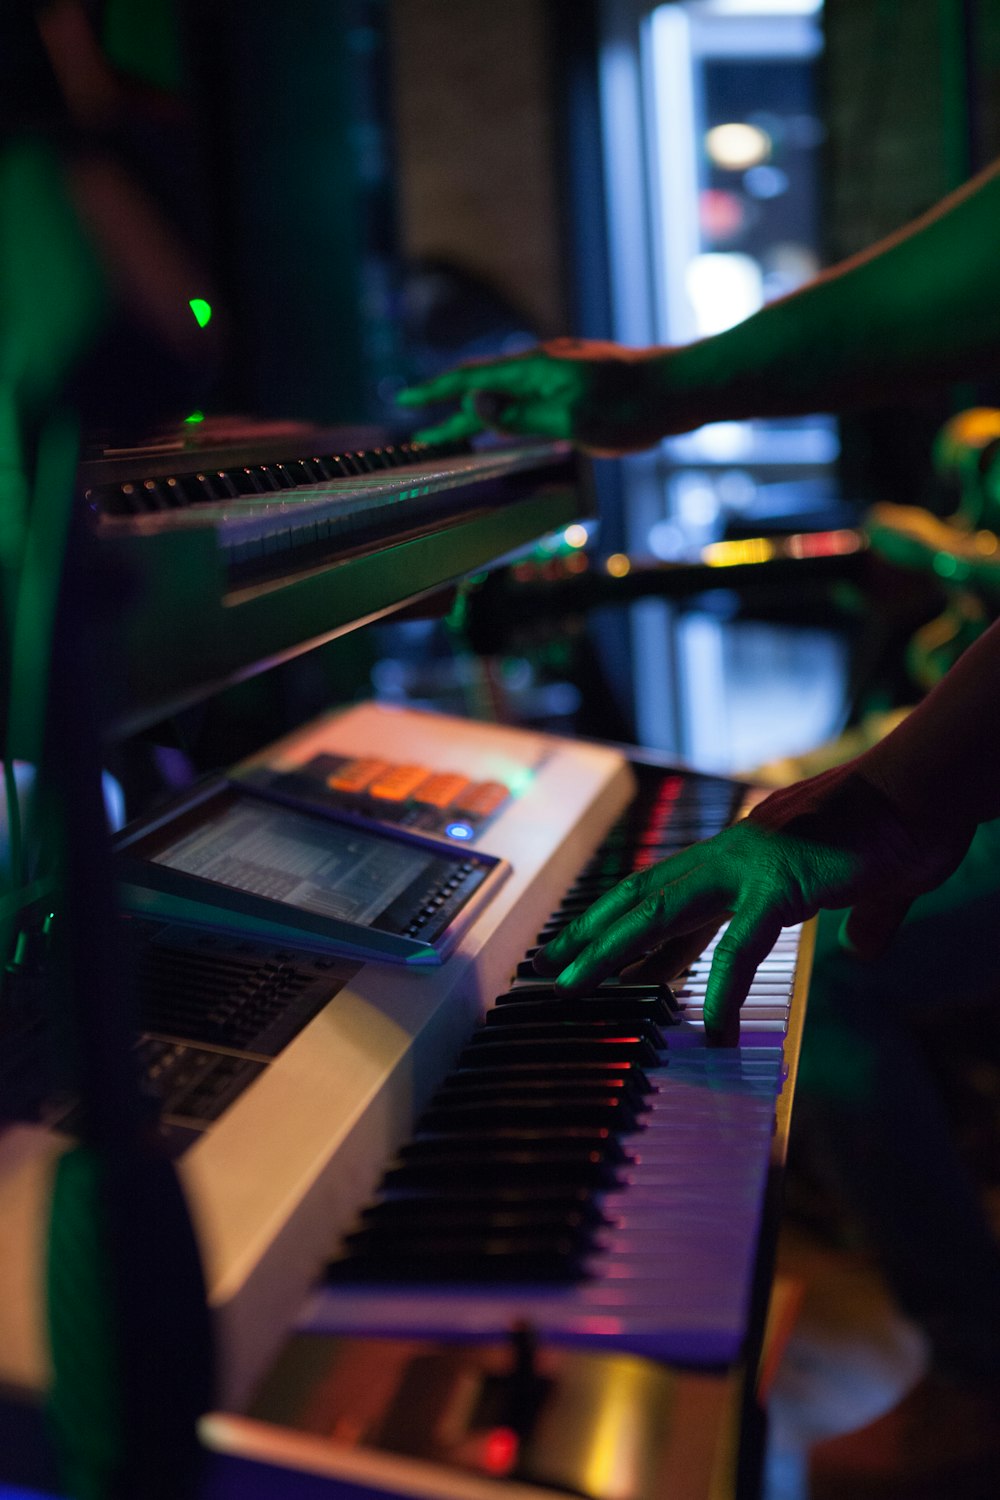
(510, 1025)
(249, 481)
(560, 1074)
(753, 1011)
(567, 910)
(407, 1230)
(546, 1258)
(551, 930)
(657, 1001)
(496, 1089)
(612, 1049)
(547, 1200)
(456, 1116)
(647, 1016)
(408, 1234)
(691, 995)
(549, 1140)
(278, 476)
(571, 1167)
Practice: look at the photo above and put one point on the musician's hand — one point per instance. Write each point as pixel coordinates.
(597, 394)
(832, 841)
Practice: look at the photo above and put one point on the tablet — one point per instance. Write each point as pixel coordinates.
(235, 858)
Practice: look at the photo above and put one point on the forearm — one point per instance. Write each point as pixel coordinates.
(941, 767)
(920, 307)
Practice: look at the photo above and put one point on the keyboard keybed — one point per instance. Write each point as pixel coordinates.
(589, 1165)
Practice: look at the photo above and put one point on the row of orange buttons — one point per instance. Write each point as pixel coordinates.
(386, 782)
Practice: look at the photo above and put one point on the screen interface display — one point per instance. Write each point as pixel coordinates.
(332, 869)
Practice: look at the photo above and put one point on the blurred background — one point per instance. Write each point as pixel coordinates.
(382, 187)
(374, 189)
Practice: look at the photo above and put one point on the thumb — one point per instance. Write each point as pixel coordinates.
(870, 926)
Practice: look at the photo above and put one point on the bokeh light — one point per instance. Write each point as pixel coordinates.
(737, 146)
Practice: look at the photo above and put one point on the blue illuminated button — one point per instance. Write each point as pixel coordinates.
(459, 831)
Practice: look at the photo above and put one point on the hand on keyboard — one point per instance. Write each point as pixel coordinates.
(832, 841)
(599, 395)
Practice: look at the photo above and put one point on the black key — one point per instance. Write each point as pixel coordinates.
(490, 1053)
(320, 469)
(283, 476)
(518, 1075)
(272, 479)
(465, 1235)
(546, 1258)
(536, 1090)
(505, 1169)
(547, 1201)
(572, 906)
(408, 1233)
(508, 1027)
(178, 492)
(479, 1144)
(526, 969)
(462, 1116)
(654, 1003)
(223, 483)
(245, 481)
(154, 496)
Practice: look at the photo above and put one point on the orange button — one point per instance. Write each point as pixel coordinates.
(398, 782)
(357, 774)
(482, 798)
(441, 789)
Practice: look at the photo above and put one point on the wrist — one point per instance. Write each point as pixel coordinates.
(688, 386)
(751, 370)
(905, 787)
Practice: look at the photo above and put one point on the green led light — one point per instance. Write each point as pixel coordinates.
(519, 781)
(196, 416)
(201, 309)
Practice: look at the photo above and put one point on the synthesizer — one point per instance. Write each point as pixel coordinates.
(227, 560)
(273, 520)
(319, 1096)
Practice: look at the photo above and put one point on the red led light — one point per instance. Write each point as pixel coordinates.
(500, 1447)
(823, 543)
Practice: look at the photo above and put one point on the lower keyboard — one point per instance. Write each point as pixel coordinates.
(590, 1167)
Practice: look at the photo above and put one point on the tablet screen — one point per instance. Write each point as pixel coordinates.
(309, 862)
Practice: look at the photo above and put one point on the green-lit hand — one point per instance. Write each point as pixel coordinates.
(831, 841)
(597, 394)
